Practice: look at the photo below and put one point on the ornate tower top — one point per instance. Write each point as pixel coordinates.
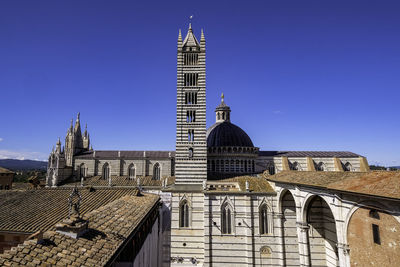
(191, 142)
(190, 40)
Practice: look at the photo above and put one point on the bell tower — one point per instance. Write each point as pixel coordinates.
(191, 143)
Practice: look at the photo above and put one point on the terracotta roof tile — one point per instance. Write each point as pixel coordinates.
(256, 184)
(40, 209)
(109, 227)
(377, 183)
(4, 170)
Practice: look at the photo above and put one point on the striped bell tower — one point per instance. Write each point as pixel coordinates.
(191, 143)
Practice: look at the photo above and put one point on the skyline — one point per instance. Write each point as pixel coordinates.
(316, 76)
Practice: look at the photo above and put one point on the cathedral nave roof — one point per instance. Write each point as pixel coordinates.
(314, 154)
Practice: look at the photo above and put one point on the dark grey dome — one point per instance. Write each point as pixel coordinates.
(227, 134)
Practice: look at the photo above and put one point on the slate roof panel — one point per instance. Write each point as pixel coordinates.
(313, 154)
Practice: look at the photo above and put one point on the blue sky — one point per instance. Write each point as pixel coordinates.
(298, 75)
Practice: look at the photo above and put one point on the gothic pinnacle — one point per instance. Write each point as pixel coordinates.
(202, 38)
(180, 36)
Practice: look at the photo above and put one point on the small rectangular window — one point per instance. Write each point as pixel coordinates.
(376, 234)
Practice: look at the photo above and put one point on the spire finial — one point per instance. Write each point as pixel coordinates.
(222, 97)
(78, 117)
(190, 23)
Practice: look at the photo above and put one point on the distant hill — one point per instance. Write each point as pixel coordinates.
(23, 165)
(395, 167)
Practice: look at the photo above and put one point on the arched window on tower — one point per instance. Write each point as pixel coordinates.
(156, 171)
(131, 171)
(190, 152)
(226, 219)
(184, 214)
(106, 171)
(265, 216)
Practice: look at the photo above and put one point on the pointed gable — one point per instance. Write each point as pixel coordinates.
(190, 39)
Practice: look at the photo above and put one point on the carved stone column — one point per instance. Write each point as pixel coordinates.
(302, 230)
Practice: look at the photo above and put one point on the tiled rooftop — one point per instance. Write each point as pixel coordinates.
(256, 184)
(125, 181)
(109, 227)
(40, 209)
(4, 170)
(313, 154)
(377, 183)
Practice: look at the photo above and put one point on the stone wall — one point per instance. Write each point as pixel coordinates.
(119, 167)
(187, 243)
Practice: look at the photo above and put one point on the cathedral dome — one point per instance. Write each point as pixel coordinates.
(227, 134)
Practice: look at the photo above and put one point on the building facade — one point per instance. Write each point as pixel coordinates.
(232, 204)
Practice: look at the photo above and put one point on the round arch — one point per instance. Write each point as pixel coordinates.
(280, 194)
(322, 235)
(306, 203)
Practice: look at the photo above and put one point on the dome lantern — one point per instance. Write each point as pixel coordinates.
(223, 111)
